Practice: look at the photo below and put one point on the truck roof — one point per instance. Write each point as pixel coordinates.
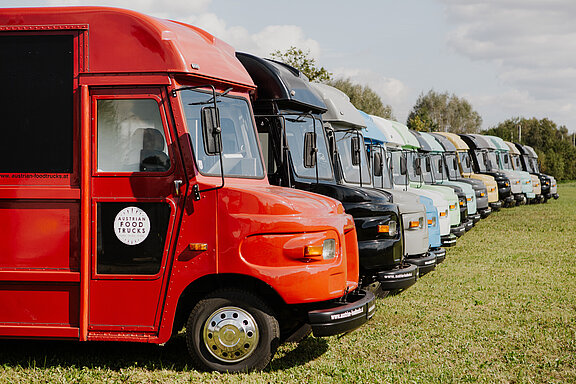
(124, 41)
(340, 109)
(281, 83)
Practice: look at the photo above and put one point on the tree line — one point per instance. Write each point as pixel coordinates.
(441, 111)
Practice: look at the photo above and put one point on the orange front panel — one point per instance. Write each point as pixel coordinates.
(39, 304)
(128, 304)
(40, 234)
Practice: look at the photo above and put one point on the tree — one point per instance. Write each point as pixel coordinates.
(443, 112)
(363, 98)
(304, 63)
(553, 144)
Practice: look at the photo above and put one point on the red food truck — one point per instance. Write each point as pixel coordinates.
(134, 202)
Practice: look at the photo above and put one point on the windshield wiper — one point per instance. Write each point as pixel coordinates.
(211, 100)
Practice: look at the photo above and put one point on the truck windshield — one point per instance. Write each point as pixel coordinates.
(535, 165)
(465, 162)
(492, 163)
(396, 160)
(505, 162)
(438, 167)
(385, 179)
(482, 158)
(452, 165)
(517, 164)
(296, 129)
(426, 167)
(351, 171)
(240, 152)
(414, 162)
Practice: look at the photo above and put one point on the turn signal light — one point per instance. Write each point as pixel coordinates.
(452, 206)
(198, 246)
(313, 250)
(482, 193)
(414, 224)
(443, 213)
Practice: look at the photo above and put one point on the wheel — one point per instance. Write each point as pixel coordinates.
(232, 331)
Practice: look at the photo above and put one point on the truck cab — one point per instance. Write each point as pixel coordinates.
(136, 202)
(485, 163)
(411, 205)
(400, 177)
(465, 166)
(289, 113)
(515, 156)
(452, 172)
(434, 171)
(416, 174)
(530, 164)
(505, 164)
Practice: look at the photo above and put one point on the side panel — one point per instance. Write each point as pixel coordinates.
(39, 182)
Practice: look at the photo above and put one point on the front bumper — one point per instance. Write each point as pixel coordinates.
(448, 240)
(440, 254)
(475, 217)
(458, 230)
(520, 198)
(496, 206)
(347, 314)
(485, 212)
(425, 262)
(402, 277)
(509, 201)
(468, 224)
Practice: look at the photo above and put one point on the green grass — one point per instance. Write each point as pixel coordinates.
(500, 309)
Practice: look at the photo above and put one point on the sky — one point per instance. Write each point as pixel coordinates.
(508, 58)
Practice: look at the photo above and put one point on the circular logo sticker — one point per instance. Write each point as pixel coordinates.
(132, 225)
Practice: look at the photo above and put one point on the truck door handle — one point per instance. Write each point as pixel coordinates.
(177, 185)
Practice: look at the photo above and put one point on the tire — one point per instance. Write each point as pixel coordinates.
(232, 331)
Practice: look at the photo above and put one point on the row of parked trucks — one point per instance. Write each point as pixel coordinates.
(154, 180)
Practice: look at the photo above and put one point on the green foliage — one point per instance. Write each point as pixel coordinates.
(443, 112)
(553, 144)
(363, 98)
(304, 63)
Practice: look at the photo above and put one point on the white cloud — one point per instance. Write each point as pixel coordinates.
(391, 91)
(532, 44)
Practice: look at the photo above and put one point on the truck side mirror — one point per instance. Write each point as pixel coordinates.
(310, 149)
(211, 131)
(403, 166)
(468, 164)
(440, 168)
(377, 164)
(455, 163)
(417, 167)
(428, 165)
(355, 150)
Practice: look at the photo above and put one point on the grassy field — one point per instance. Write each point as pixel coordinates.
(500, 309)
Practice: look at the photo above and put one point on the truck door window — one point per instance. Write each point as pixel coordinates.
(296, 129)
(351, 172)
(131, 136)
(240, 152)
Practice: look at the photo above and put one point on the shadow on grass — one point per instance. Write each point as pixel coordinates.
(30, 354)
(110, 355)
(293, 355)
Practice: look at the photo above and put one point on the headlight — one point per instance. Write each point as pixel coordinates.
(389, 229)
(329, 251)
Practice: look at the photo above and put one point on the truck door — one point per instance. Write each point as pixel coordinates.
(136, 201)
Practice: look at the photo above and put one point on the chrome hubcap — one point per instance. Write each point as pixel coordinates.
(230, 334)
